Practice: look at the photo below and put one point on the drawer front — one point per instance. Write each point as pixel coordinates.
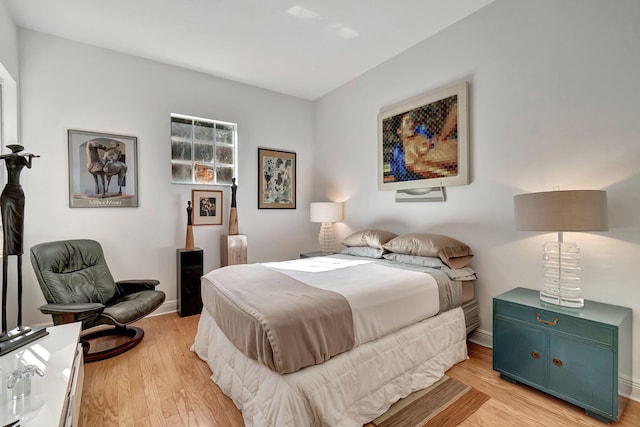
(597, 332)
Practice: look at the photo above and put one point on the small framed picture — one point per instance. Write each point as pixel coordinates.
(276, 179)
(102, 170)
(207, 207)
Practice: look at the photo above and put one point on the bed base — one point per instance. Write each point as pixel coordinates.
(350, 389)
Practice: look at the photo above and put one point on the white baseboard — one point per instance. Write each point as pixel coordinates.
(482, 338)
(166, 308)
(485, 339)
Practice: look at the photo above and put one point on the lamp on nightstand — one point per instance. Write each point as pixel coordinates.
(327, 213)
(575, 210)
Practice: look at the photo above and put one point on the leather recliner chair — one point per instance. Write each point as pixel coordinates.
(78, 286)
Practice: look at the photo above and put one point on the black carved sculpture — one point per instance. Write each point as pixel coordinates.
(189, 244)
(233, 214)
(234, 190)
(12, 207)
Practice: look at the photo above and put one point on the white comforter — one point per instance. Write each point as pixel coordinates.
(383, 299)
(348, 390)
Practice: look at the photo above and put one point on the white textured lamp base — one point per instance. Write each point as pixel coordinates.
(325, 238)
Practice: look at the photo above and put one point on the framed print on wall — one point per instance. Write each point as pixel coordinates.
(207, 207)
(102, 170)
(425, 142)
(276, 179)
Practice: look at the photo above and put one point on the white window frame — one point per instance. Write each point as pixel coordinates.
(181, 166)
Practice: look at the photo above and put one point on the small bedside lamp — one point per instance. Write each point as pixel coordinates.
(327, 213)
(575, 210)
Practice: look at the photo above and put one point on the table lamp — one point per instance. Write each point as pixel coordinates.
(574, 210)
(327, 213)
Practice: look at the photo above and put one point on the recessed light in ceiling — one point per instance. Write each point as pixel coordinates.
(302, 13)
(342, 31)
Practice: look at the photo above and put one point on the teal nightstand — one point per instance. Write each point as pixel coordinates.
(582, 355)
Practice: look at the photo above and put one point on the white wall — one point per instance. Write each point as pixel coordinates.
(68, 85)
(8, 42)
(8, 79)
(554, 101)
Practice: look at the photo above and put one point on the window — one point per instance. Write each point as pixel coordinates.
(203, 151)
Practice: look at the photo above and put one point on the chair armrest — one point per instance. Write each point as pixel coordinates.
(130, 286)
(74, 308)
(75, 312)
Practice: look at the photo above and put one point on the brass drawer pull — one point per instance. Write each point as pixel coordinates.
(557, 362)
(535, 355)
(554, 322)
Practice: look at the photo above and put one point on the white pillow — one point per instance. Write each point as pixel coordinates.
(424, 261)
(365, 251)
(464, 273)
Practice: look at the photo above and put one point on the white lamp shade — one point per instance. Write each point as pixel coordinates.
(575, 210)
(326, 212)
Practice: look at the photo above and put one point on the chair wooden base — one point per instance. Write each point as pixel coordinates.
(133, 333)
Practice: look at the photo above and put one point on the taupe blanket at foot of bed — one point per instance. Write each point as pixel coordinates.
(255, 306)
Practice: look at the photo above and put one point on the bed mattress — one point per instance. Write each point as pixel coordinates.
(339, 302)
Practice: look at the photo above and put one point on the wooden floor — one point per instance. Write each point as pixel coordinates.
(162, 383)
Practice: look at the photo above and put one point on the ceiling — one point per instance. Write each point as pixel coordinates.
(305, 48)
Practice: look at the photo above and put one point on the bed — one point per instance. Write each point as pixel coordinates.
(409, 316)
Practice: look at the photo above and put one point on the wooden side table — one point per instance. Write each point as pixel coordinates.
(189, 273)
(233, 249)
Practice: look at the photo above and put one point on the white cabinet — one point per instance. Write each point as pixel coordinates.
(55, 397)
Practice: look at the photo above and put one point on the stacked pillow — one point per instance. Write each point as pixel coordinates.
(452, 252)
(367, 243)
(426, 249)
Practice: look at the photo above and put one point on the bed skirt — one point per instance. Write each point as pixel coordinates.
(350, 389)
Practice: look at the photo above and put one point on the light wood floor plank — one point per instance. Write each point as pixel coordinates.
(135, 381)
(162, 383)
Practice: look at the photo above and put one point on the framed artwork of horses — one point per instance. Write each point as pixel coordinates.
(102, 170)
